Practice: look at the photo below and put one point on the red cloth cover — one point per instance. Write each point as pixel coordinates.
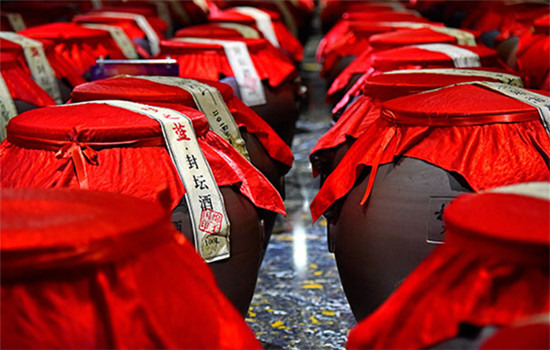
(148, 92)
(87, 269)
(403, 37)
(533, 55)
(378, 88)
(208, 61)
(405, 57)
(61, 67)
(209, 30)
(288, 42)
(19, 82)
(350, 38)
(76, 44)
(492, 271)
(120, 151)
(467, 129)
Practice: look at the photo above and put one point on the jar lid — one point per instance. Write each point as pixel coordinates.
(210, 31)
(64, 31)
(381, 16)
(141, 91)
(232, 15)
(93, 122)
(51, 229)
(467, 104)
(493, 223)
(403, 37)
(395, 84)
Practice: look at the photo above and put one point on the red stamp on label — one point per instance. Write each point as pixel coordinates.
(211, 221)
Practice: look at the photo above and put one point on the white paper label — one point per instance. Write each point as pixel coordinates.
(539, 190)
(502, 77)
(209, 101)
(288, 18)
(205, 202)
(263, 22)
(179, 10)
(96, 4)
(41, 71)
(142, 23)
(540, 102)
(164, 13)
(122, 40)
(250, 85)
(245, 31)
(16, 21)
(7, 107)
(462, 58)
(202, 4)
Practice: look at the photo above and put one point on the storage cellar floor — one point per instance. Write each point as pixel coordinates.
(299, 302)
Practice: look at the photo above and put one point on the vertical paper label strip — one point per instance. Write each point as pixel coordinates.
(41, 71)
(540, 102)
(7, 107)
(143, 24)
(287, 16)
(263, 22)
(16, 21)
(164, 13)
(245, 31)
(205, 202)
(122, 40)
(209, 101)
(462, 58)
(502, 77)
(250, 85)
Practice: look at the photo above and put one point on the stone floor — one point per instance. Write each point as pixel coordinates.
(299, 302)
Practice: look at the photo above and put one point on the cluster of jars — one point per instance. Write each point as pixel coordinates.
(123, 121)
(434, 100)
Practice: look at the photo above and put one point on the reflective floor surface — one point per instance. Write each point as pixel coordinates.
(299, 302)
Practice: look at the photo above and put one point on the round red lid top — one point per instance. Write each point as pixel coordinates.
(469, 104)
(542, 24)
(500, 217)
(64, 31)
(141, 90)
(233, 15)
(388, 85)
(404, 37)
(94, 122)
(176, 46)
(382, 16)
(62, 228)
(209, 31)
(412, 55)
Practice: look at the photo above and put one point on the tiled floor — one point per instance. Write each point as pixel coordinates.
(299, 302)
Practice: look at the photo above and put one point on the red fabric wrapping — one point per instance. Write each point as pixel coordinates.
(208, 61)
(288, 42)
(350, 38)
(158, 24)
(406, 57)
(36, 12)
(508, 18)
(140, 166)
(333, 10)
(76, 44)
(359, 115)
(112, 274)
(533, 54)
(19, 82)
(208, 31)
(60, 66)
(148, 92)
(531, 333)
(403, 37)
(496, 255)
(486, 155)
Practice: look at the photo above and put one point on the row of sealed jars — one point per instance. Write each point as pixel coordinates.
(423, 113)
(213, 154)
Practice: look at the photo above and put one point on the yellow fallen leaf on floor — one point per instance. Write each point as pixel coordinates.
(312, 286)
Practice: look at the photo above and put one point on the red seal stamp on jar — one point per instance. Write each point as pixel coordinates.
(211, 221)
